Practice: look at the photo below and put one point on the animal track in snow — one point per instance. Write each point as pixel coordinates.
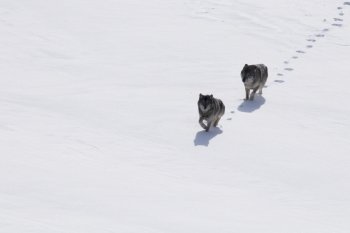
(337, 24)
(279, 81)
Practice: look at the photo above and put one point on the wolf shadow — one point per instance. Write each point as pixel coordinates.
(252, 105)
(203, 138)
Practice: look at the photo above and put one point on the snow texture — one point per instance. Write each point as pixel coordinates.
(99, 124)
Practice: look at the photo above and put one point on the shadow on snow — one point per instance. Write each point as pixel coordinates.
(203, 138)
(252, 105)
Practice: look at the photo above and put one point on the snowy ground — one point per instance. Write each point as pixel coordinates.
(98, 117)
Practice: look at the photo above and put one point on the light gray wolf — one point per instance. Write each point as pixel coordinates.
(210, 110)
(254, 77)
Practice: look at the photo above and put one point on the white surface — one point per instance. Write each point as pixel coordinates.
(99, 124)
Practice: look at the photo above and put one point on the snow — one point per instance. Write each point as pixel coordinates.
(99, 120)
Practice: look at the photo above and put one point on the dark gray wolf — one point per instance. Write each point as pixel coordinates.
(210, 110)
(254, 77)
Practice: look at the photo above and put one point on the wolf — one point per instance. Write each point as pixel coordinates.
(254, 77)
(210, 110)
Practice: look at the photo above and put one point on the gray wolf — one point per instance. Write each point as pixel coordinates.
(210, 110)
(254, 77)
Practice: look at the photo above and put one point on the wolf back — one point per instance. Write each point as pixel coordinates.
(211, 110)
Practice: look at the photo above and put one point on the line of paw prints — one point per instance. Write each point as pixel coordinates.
(335, 22)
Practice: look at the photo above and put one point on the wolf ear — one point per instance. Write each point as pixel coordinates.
(211, 96)
(245, 67)
(200, 95)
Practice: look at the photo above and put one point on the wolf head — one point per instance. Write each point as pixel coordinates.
(249, 73)
(205, 101)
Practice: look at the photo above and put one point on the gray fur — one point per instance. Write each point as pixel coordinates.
(210, 110)
(254, 78)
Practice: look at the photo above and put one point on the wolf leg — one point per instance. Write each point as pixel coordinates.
(208, 126)
(247, 94)
(216, 122)
(201, 123)
(262, 85)
(253, 93)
